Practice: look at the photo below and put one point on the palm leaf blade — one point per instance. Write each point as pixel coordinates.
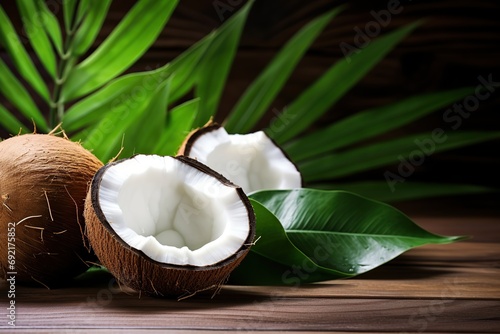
(91, 25)
(37, 35)
(180, 121)
(127, 42)
(115, 95)
(14, 91)
(22, 61)
(388, 152)
(51, 25)
(332, 85)
(142, 136)
(256, 99)
(216, 64)
(367, 124)
(407, 190)
(9, 122)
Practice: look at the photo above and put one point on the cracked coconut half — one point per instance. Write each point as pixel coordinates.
(168, 226)
(253, 161)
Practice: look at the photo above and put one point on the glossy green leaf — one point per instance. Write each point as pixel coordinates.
(9, 122)
(345, 231)
(216, 63)
(274, 260)
(141, 137)
(369, 123)
(331, 86)
(127, 42)
(179, 123)
(51, 25)
(91, 25)
(406, 190)
(37, 34)
(10, 40)
(409, 151)
(13, 90)
(261, 93)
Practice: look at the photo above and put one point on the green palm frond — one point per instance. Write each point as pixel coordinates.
(100, 106)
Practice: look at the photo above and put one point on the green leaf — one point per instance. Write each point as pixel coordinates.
(345, 231)
(263, 90)
(179, 124)
(69, 10)
(141, 137)
(331, 86)
(86, 34)
(370, 123)
(104, 138)
(125, 122)
(22, 61)
(9, 122)
(124, 93)
(184, 67)
(414, 147)
(274, 260)
(51, 25)
(216, 63)
(37, 35)
(127, 42)
(94, 276)
(407, 190)
(13, 90)
(130, 90)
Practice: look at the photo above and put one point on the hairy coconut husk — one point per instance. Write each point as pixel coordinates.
(43, 184)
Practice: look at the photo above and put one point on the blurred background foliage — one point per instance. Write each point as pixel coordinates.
(458, 42)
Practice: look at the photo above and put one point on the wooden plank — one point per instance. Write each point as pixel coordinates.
(239, 312)
(463, 270)
(423, 282)
(435, 288)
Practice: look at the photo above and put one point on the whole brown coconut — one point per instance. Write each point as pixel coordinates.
(43, 184)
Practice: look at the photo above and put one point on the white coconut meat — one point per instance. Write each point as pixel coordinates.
(252, 161)
(173, 212)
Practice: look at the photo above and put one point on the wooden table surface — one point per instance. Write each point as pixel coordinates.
(451, 288)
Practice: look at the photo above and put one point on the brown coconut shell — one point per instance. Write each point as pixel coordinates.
(136, 270)
(43, 184)
(193, 136)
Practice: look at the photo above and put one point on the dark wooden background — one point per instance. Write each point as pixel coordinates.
(459, 41)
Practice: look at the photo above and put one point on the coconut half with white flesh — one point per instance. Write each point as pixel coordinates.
(253, 161)
(168, 226)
